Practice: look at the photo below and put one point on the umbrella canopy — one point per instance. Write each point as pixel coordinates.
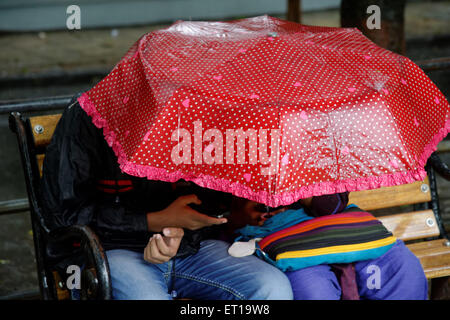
(269, 110)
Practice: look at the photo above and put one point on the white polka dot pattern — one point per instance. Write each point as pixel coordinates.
(350, 115)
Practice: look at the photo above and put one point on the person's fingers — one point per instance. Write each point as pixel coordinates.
(190, 198)
(156, 254)
(148, 253)
(213, 220)
(151, 252)
(202, 220)
(172, 237)
(167, 247)
(173, 232)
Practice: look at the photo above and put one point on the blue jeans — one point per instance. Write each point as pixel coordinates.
(210, 274)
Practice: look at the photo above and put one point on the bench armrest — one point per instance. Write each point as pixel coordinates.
(439, 166)
(95, 282)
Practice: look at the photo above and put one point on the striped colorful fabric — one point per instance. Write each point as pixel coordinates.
(339, 238)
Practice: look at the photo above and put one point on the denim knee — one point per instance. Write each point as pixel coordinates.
(249, 278)
(132, 278)
(272, 284)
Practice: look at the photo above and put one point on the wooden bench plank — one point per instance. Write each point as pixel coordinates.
(40, 161)
(43, 128)
(387, 197)
(434, 256)
(412, 225)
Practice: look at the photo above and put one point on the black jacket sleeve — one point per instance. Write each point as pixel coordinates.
(76, 156)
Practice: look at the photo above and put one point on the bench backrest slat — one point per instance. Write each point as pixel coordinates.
(395, 196)
(42, 128)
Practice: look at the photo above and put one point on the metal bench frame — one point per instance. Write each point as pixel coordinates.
(95, 279)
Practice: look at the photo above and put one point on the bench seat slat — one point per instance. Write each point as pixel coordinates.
(412, 225)
(434, 256)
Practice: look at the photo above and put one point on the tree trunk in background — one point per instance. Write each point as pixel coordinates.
(294, 12)
(391, 35)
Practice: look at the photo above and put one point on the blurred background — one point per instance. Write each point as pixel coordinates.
(40, 58)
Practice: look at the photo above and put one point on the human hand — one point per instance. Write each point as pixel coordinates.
(162, 248)
(180, 214)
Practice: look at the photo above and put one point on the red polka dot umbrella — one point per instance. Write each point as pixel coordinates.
(268, 110)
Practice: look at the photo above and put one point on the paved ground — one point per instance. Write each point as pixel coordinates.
(30, 53)
(22, 54)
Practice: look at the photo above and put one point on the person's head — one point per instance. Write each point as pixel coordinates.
(247, 212)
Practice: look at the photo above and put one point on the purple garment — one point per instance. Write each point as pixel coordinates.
(345, 272)
(396, 275)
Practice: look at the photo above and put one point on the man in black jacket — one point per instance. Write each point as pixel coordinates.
(145, 228)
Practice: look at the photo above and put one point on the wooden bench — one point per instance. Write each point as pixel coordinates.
(421, 229)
